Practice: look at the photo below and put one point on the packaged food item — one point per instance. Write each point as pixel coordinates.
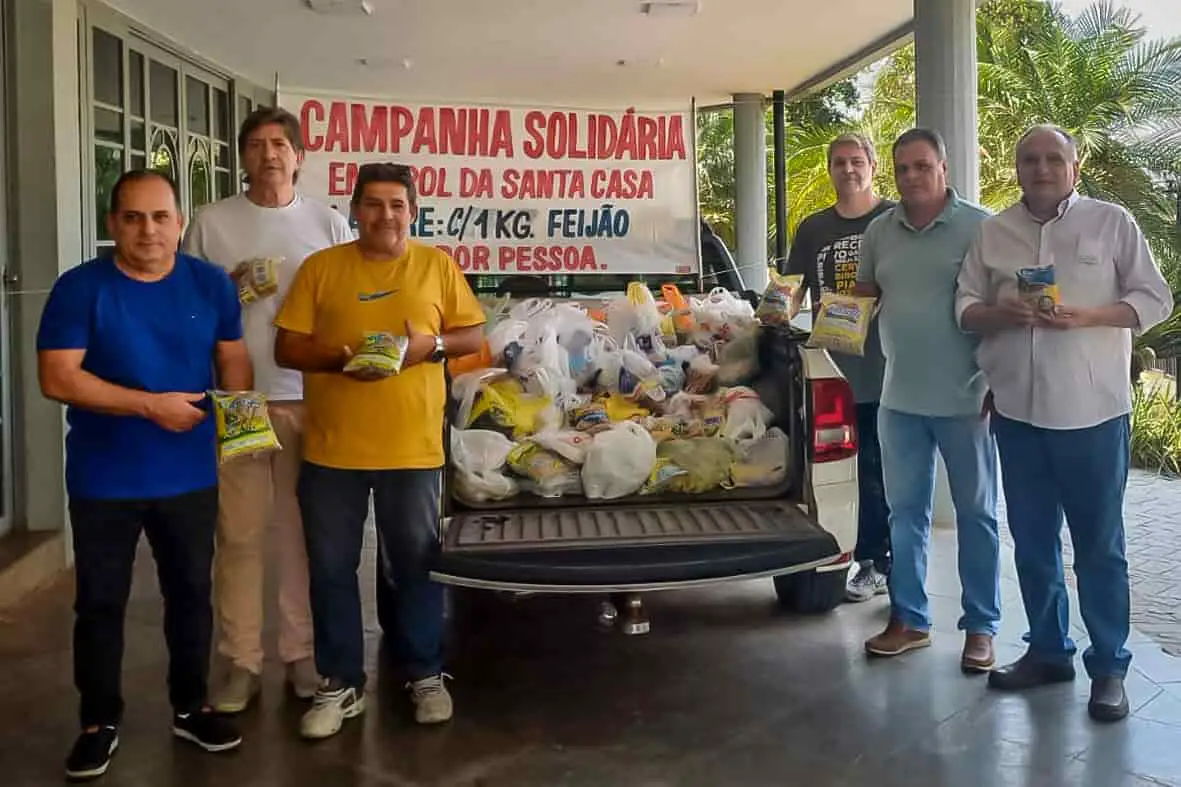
(679, 309)
(842, 323)
(761, 462)
(590, 417)
(662, 477)
(620, 408)
(503, 406)
(775, 306)
(243, 424)
(674, 427)
(259, 278)
(701, 375)
(381, 354)
(571, 446)
(1038, 288)
(548, 474)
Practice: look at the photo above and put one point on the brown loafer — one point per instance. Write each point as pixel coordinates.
(978, 655)
(896, 640)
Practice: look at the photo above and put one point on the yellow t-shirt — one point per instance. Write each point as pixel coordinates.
(338, 296)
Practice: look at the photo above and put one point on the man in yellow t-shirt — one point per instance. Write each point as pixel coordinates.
(381, 435)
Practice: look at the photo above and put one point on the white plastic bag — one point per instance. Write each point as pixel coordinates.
(478, 457)
(566, 443)
(746, 415)
(761, 462)
(465, 387)
(619, 462)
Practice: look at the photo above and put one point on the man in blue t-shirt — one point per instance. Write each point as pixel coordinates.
(132, 342)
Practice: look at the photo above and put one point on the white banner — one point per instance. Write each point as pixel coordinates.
(510, 190)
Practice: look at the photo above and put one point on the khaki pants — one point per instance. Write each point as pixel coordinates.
(259, 515)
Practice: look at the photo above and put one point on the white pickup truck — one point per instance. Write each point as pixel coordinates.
(799, 534)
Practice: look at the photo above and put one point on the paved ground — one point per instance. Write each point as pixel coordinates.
(1153, 523)
(725, 691)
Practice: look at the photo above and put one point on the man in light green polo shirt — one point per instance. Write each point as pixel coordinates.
(932, 400)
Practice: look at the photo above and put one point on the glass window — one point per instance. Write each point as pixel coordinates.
(224, 184)
(200, 176)
(162, 84)
(108, 68)
(163, 157)
(221, 156)
(221, 104)
(139, 161)
(197, 105)
(108, 166)
(108, 125)
(137, 84)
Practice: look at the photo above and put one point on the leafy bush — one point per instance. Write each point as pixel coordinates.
(1156, 429)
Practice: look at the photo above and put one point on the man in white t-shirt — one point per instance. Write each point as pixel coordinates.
(271, 220)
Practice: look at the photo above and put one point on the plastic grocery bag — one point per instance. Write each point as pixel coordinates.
(619, 462)
(243, 424)
(479, 457)
(842, 323)
(570, 445)
(380, 355)
(638, 316)
(705, 462)
(746, 415)
(775, 305)
(761, 462)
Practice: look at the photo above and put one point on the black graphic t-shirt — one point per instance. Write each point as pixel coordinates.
(827, 252)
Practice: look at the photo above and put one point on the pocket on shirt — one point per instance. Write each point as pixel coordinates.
(1091, 254)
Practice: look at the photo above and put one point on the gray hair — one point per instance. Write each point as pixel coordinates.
(853, 138)
(1049, 128)
(928, 135)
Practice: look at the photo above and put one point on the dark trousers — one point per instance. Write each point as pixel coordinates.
(105, 534)
(1082, 474)
(873, 517)
(334, 505)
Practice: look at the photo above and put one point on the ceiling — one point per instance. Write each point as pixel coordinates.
(590, 53)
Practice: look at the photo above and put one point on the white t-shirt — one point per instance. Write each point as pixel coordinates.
(234, 230)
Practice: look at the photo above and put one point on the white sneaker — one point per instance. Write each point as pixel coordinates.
(432, 701)
(239, 690)
(868, 582)
(330, 708)
(302, 677)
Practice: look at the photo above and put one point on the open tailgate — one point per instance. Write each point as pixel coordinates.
(625, 547)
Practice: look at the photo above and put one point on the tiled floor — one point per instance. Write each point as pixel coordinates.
(726, 690)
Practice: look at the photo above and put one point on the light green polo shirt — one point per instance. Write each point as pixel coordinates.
(930, 363)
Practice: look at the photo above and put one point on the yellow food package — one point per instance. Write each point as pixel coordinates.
(775, 305)
(1038, 287)
(243, 425)
(505, 404)
(620, 408)
(381, 353)
(259, 278)
(842, 323)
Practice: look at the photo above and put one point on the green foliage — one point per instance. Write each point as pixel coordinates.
(1156, 429)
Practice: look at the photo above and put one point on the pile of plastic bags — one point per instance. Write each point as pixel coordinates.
(639, 396)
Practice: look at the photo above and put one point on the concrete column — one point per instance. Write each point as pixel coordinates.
(750, 186)
(945, 84)
(45, 171)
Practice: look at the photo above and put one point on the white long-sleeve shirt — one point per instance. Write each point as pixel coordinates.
(1063, 379)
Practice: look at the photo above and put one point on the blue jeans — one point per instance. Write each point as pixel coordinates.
(1081, 473)
(334, 505)
(909, 443)
(873, 515)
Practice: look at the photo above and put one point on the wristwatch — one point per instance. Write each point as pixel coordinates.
(440, 353)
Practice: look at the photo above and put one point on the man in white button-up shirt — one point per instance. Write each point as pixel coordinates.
(1058, 367)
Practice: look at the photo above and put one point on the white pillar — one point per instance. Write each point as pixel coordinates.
(945, 87)
(750, 186)
(945, 84)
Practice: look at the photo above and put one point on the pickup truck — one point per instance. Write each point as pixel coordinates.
(799, 534)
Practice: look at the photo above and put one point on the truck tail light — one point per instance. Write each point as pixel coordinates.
(834, 420)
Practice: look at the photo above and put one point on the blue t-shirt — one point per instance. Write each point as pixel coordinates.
(930, 363)
(149, 336)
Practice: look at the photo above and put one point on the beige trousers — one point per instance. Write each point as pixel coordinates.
(258, 518)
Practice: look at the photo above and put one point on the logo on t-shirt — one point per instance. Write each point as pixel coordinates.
(836, 264)
(366, 297)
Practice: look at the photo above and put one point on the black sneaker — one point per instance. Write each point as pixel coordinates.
(92, 754)
(205, 728)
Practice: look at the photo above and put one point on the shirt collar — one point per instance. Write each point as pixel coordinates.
(1063, 207)
(953, 204)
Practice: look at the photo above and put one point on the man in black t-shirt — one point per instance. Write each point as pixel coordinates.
(827, 251)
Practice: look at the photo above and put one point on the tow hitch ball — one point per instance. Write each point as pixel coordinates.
(628, 611)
